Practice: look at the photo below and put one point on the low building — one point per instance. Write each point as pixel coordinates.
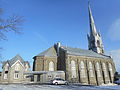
(45, 76)
(13, 70)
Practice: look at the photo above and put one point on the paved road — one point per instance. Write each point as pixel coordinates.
(54, 87)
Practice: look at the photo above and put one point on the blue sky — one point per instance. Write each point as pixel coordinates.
(50, 21)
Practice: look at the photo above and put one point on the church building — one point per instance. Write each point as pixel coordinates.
(90, 66)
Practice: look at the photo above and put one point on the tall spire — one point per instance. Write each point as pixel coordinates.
(91, 19)
(94, 38)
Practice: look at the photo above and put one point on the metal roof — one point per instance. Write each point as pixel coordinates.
(42, 72)
(82, 52)
(51, 52)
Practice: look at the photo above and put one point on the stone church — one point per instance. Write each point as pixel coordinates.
(91, 66)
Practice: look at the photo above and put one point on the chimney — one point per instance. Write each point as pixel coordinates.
(57, 46)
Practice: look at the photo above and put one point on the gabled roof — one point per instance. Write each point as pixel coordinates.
(82, 52)
(50, 52)
(14, 59)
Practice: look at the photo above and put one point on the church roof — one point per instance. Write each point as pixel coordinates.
(51, 52)
(82, 52)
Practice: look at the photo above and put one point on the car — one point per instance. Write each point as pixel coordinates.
(117, 82)
(59, 81)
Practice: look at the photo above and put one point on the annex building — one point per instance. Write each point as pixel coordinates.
(13, 71)
(90, 66)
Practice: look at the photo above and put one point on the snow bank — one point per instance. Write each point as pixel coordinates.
(109, 84)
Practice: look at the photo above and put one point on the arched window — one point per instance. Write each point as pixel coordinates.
(82, 69)
(82, 65)
(91, 69)
(98, 69)
(111, 70)
(90, 66)
(97, 66)
(110, 67)
(51, 66)
(105, 70)
(73, 69)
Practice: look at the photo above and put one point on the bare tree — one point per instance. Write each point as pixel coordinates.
(12, 23)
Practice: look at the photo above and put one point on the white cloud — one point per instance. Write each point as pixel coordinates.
(116, 58)
(114, 31)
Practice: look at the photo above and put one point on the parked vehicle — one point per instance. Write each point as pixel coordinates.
(59, 81)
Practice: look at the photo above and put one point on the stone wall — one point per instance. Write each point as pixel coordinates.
(89, 74)
(42, 63)
(52, 75)
(89, 80)
(11, 75)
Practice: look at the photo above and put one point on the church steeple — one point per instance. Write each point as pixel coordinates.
(91, 20)
(94, 38)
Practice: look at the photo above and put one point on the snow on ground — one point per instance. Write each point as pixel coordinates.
(56, 87)
(117, 87)
(109, 84)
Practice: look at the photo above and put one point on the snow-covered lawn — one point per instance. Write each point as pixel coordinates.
(56, 87)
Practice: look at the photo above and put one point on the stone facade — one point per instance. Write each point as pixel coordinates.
(80, 66)
(42, 63)
(47, 61)
(83, 73)
(13, 70)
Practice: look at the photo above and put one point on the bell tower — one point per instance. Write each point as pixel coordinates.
(94, 38)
